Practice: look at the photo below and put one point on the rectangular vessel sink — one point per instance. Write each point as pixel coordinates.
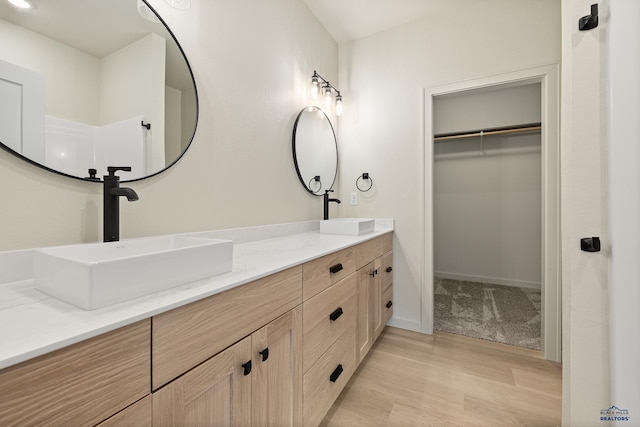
(347, 226)
(95, 275)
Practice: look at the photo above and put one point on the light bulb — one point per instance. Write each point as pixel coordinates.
(21, 4)
(314, 87)
(327, 96)
(338, 105)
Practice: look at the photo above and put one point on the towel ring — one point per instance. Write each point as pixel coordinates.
(316, 179)
(365, 177)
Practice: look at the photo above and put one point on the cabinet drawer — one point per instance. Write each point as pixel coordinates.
(327, 377)
(323, 272)
(82, 384)
(387, 305)
(326, 316)
(386, 269)
(189, 335)
(368, 251)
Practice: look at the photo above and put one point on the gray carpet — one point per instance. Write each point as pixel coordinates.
(504, 314)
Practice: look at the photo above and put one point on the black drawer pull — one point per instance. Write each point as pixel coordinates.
(336, 374)
(336, 313)
(389, 269)
(247, 368)
(389, 304)
(335, 268)
(265, 354)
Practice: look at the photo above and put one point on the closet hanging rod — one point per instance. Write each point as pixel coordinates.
(529, 127)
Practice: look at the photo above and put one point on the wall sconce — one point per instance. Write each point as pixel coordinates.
(327, 91)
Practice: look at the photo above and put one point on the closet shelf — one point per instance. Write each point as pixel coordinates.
(529, 127)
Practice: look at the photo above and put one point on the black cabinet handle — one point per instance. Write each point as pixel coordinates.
(336, 313)
(335, 268)
(336, 374)
(265, 354)
(389, 269)
(247, 368)
(389, 304)
(374, 273)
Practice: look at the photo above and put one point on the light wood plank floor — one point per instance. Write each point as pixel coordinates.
(410, 379)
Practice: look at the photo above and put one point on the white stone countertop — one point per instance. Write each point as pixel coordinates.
(33, 323)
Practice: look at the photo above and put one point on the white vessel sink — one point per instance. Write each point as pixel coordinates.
(347, 226)
(95, 275)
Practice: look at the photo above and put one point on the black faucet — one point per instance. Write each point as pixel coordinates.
(326, 202)
(111, 202)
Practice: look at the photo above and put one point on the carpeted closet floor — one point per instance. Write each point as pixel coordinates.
(505, 314)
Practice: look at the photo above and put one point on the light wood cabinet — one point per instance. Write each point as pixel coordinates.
(274, 352)
(82, 384)
(387, 304)
(326, 317)
(382, 293)
(257, 381)
(218, 392)
(329, 341)
(343, 316)
(189, 335)
(324, 381)
(375, 293)
(368, 288)
(319, 274)
(277, 379)
(136, 415)
(386, 286)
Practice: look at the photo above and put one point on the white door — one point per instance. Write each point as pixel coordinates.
(22, 111)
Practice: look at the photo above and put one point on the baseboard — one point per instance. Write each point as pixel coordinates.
(410, 325)
(492, 280)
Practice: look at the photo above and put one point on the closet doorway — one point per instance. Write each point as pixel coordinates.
(491, 230)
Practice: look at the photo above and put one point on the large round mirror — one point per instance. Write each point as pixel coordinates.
(86, 84)
(315, 152)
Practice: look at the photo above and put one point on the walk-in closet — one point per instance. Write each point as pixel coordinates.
(487, 213)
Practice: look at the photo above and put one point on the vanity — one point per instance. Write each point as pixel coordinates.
(273, 342)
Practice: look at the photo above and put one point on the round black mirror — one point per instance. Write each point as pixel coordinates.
(94, 83)
(315, 151)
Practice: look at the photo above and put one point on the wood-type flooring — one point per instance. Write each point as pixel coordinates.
(410, 379)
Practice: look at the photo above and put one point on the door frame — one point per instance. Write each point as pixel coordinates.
(548, 77)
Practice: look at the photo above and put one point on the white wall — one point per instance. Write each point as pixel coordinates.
(487, 209)
(584, 203)
(172, 124)
(132, 83)
(71, 76)
(382, 78)
(623, 37)
(487, 191)
(252, 62)
(486, 108)
(189, 112)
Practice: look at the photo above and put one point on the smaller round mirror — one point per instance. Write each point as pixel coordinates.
(315, 151)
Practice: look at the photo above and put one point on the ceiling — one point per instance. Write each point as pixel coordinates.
(98, 28)
(348, 20)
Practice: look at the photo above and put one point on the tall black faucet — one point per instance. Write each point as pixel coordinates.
(326, 202)
(111, 202)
